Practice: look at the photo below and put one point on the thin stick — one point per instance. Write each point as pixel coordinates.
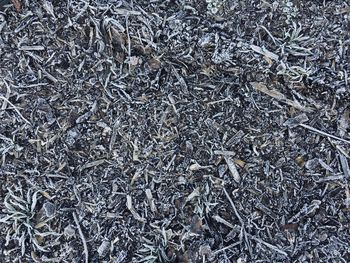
(86, 252)
(234, 208)
(226, 248)
(279, 96)
(268, 245)
(239, 229)
(323, 133)
(129, 40)
(345, 165)
(14, 107)
(249, 235)
(8, 92)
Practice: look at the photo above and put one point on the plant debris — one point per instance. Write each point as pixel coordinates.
(174, 131)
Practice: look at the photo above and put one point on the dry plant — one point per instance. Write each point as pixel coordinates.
(24, 220)
(147, 254)
(213, 6)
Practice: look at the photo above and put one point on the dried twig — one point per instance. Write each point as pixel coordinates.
(345, 165)
(226, 248)
(234, 207)
(129, 41)
(225, 153)
(322, 133)
(14, 107)
(268, 245)
(263, 51)
(86, 251)
(239, 229)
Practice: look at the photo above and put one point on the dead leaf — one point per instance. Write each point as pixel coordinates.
(17, 4)
(233, 169)
(279, 96)
(239, 162)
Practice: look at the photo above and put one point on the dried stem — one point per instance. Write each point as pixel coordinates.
(86, 251)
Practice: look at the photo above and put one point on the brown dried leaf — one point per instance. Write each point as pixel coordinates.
(17, 4)
(279, 96)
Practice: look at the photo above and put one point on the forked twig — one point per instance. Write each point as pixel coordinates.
(249, 235)
(14, 107)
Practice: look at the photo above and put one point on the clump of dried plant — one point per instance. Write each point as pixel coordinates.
(213, 6)
(290, 10)
(24, 219)
(147, 254)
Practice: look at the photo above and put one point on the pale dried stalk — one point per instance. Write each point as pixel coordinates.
(323, 133)
(86, 251)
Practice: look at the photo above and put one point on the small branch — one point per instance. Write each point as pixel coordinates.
(345, 165)
(268, 245)
(86, 252)
(249, 235)
(226, 248)
(239, 229)
(234, 208)
(129, 41)
(323, 133)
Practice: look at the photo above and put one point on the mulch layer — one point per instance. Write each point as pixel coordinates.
(174, 131)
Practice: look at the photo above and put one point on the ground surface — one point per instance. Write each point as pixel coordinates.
(174, 131)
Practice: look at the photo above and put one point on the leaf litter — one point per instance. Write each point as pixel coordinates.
(174, 131)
